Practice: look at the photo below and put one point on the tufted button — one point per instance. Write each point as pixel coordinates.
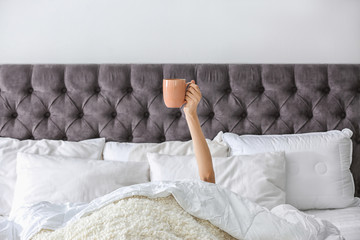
(30, 90)
(320, 168)
(14, 115)
(178, 115)
(228, 90)
(130, 138)
(80, 115)
(211, 114)
(261, 89)
(97, 89)
(146, 114)
(310, 115)
(162, 138)
(294, 89)
(277, 115)
(64, 138)
(31, 137)
(113, 114)
(326, 90)
(64, 90)
(129, 90)
(243, 115)
(343, 115)
(47, 115)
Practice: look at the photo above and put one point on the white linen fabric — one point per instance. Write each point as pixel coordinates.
(237, 216)
(347, 220)
(7, 231)
(9, 147)
(115, 151)
(258, 177)
(318, 165)
(60, 179)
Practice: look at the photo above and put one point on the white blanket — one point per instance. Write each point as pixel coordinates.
(138, 218)
(237, 216)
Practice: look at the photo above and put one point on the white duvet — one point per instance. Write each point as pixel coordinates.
(234, 215)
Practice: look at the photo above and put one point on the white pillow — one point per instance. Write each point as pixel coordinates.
(137, 151)
(260, 177)
(9, 147)
(318, 165)
(60, 179)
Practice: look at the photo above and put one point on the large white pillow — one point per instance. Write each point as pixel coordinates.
(318, 165)
(9, 147)
(259, 177)
(62, 179)
(137, 151)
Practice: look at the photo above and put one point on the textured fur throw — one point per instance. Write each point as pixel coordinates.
(137, 218)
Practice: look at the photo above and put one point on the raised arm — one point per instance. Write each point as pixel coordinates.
(202, 152)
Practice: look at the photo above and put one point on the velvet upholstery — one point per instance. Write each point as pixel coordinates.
(124, 102)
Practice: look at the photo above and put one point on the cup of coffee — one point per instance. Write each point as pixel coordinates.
(174, 92)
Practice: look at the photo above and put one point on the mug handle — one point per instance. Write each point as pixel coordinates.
(186, 87)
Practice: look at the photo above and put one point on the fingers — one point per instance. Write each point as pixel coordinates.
(192, 85)
(190, 98)
(194, 91)
(194, 97)
(195, 87)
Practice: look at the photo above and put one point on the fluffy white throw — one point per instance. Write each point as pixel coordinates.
(137, 218)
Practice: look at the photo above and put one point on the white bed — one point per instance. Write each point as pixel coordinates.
(347, 220)
(237, 216)
(7, 231)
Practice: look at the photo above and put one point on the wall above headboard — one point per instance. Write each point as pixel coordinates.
(180, 31)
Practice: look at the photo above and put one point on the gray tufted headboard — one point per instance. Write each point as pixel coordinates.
(124, 102)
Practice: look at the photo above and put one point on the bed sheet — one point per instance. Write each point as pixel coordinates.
(7, 230)
(346, 219)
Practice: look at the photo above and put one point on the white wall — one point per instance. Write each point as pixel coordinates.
(180, 31)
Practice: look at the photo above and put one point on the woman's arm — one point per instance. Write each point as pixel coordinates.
(202, 153)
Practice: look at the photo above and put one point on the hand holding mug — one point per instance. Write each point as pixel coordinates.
(192, 98)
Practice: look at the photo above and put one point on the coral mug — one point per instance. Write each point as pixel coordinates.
(174, 92)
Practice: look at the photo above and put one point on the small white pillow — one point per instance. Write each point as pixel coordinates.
(115, 151)
(59, 179)
(9, 147)
(259, 177)
(318, 165)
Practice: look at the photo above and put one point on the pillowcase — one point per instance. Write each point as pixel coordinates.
(137, 151)
(259, 177)
(318, 165)
(60, 179)
(9, 147)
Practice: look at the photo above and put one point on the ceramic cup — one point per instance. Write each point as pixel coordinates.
(174, 92)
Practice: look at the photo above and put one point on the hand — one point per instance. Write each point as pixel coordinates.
(192, 98)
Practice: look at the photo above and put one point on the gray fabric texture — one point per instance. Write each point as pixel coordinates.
(124, 102)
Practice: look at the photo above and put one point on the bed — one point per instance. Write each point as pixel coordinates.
(347, 220)
(123, 103)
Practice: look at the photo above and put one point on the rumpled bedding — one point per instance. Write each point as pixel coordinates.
(226, 211)
(138, 218)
